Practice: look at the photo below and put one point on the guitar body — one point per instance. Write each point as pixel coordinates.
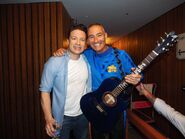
(101, 116)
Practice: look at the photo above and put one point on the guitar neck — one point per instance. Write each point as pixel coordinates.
(145, 62)
(123, 85)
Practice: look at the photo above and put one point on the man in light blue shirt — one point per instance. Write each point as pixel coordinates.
(66, 79)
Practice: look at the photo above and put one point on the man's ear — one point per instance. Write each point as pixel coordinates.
(106, 35)
(67, 42)
(87, 41)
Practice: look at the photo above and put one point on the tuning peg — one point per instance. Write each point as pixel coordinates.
(167, 50)
(173, 40)
(162, 39)
(166, 34)
(158, 44)
(175, 37)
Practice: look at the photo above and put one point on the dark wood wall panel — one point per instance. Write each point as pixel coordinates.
(29, 34)
(66, 22)
(34, 22)
(166, 70)
(41, 41)
(60, 25)
(17, 60)
(11, 68)
(5, 68)
(2, 103)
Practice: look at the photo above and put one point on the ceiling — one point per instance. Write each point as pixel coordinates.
(119, 17)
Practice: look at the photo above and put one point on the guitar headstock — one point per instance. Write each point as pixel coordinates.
(166, 43)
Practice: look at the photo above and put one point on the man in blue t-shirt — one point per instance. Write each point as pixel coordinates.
(106, 62)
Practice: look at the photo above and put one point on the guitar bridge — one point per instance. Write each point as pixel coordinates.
(99, 107)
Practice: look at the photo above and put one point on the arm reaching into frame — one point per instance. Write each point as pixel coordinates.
(175, 117)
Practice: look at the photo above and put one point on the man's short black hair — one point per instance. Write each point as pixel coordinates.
(96, 24)
(81, 27)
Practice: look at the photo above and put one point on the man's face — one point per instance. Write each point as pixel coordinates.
(77, 41)
(96, 38)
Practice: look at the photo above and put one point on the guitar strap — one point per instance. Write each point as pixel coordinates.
(119, 62)
(121, 69)
(124, 112)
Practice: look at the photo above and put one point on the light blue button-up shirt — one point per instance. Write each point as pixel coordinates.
(54, 80)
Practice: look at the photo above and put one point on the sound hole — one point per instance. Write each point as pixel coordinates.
(109, 99)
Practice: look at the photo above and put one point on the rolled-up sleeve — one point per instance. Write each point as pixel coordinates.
(47, 78)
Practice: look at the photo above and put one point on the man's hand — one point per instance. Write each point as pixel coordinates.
(140, 88)
(51, 126)
(143, 91)
(132, 78)
(59, 52)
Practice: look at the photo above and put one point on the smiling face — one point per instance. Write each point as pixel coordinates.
(97, 37)
(77, 42)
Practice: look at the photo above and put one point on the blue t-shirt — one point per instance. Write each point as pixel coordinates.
(105, 65)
